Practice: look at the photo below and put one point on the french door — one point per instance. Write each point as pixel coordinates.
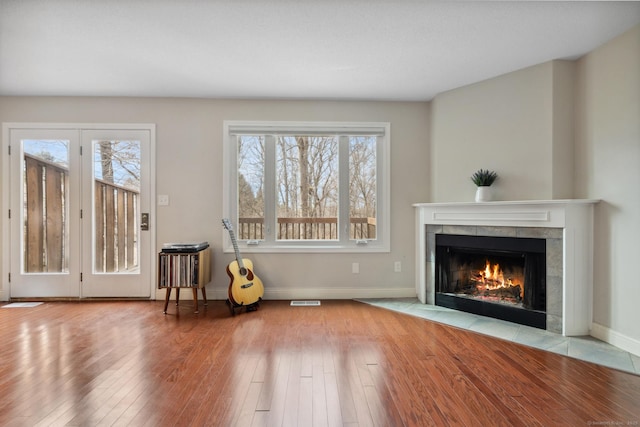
(80, 203)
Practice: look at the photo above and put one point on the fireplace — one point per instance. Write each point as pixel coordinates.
(565, 225)
(499, 277)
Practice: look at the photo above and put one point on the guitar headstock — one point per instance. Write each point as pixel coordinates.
(227, 224)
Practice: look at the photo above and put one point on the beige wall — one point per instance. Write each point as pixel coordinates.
(518, 125)
(563, 130)
(608, 168)
(189, 170)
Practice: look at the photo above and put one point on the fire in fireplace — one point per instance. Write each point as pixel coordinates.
(500, 277)
(491, 283)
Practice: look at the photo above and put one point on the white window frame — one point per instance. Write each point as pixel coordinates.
(382, 243)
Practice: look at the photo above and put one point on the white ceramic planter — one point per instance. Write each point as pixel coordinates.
(483, 194)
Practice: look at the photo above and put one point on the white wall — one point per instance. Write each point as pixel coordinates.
(189, 170)
(608, 168)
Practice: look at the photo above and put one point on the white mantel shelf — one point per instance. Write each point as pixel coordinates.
(524, 213)
(573, 216)
(514, 202)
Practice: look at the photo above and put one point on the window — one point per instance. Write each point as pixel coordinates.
(294, 186)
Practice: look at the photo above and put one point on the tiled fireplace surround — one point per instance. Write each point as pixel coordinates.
(567, 227)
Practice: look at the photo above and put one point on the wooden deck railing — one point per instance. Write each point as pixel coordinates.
(46, 217)
(306, 228)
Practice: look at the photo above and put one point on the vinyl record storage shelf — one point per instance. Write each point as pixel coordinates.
(184, 270)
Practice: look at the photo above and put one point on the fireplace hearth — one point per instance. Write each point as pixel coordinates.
(500, 277)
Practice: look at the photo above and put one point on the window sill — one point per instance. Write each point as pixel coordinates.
(308, 249)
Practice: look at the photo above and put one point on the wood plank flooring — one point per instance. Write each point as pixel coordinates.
(341, 364)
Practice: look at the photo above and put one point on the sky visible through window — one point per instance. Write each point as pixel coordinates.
(55, 151)
(124, 158)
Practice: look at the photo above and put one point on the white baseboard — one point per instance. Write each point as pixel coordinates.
(324, 293)
(614, 338)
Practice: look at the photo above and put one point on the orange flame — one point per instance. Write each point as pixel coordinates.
(492, 277)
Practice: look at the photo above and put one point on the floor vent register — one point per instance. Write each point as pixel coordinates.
(305, 303)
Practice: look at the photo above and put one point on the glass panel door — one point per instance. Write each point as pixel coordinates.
(80, 207)
(44, 187)
(116, 213)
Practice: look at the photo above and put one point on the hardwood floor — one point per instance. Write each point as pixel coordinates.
(341, 364)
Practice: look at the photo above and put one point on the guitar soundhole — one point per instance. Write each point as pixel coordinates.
(243, 271)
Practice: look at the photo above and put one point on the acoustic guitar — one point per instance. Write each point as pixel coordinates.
(245, 288)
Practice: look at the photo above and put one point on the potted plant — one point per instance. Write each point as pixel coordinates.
(483, 180)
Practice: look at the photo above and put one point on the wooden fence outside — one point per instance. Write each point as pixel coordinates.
(45, 216)
(46, 221)
(116, 227)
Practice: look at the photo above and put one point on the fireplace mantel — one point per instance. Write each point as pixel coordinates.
(574, 217)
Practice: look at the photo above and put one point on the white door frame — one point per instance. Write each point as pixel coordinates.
(5, 285)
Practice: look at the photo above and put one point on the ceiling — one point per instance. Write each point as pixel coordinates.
(288, 49)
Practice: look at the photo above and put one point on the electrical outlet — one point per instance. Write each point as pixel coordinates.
(355, 268)
(163, 200)
(397, 266)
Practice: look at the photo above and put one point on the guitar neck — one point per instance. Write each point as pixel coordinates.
(235, 248)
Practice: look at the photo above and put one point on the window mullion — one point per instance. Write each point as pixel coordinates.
(270, 192)
(343, 196)
(383, 188)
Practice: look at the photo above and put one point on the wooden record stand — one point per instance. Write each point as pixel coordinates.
(177, 270)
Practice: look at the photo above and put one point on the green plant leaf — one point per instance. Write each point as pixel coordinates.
(484, 178)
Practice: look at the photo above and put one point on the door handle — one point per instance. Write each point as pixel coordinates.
(144, 222)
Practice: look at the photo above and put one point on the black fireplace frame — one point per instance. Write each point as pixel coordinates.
(532, 248)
